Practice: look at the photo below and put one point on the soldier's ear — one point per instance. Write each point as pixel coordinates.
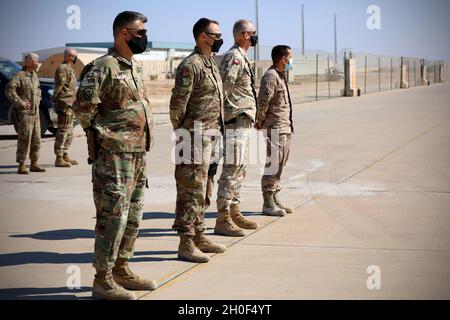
(124, 33)
(203, 36)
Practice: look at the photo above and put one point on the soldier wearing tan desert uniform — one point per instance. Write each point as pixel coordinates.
(197, 101)
(64, 97)
(24, 92)
(114, 110)
(240, 111)
(275, 116)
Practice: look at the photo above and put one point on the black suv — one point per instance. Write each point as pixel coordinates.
(8, 115)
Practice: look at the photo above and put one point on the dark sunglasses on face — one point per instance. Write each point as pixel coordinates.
(141, 32)
(216, 35)
(253, 33)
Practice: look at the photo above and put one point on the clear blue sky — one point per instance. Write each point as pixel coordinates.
(417, 28)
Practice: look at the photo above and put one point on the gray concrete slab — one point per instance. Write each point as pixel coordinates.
(369, 177)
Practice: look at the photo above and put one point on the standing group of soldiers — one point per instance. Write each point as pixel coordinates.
(113, 108)
(24, 92)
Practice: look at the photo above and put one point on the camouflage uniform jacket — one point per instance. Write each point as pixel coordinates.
(198, 94)
(24, 86)
(239, 84)
(65, 85)
(112, 99)
(275, 107)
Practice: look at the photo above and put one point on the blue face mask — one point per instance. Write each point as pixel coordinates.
(290, 65)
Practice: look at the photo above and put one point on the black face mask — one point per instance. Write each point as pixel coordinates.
(217, 45)
(254, 40)
(138, 45)
(75, 59)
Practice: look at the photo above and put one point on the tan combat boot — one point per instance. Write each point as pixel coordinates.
(240, 220)
(189, 252)
(67, 159)
(61, 163)
(22, 169)
(127, 279)
(207, 246)
(288, 210)
(106, 288)
(226, 227)
(270, 208)
(35, 167)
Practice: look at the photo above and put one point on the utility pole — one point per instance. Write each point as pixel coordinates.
(303, 29)
(257, 28)
(335, 40)
(256, 49)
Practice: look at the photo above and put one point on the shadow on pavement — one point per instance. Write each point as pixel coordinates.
(67, 234)
(21, 258)
(8, 137)
(42, 293)
(213, 215)
(11, 166)
(72, 234)
(14, 136)
(158, 215)
(47, 166)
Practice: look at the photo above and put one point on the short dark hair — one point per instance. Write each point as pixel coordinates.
(125, 18)
(202, 26)
(279, 52)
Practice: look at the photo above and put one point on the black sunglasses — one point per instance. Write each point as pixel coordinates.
(218, 35)
(141, 32)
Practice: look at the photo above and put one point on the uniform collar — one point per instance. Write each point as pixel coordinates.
(68, 65)
(236, 46)
(28, 73)
(206, 59)
(116, 55)
(241, 51)
(282, 74)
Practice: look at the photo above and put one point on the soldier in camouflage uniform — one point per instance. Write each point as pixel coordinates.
(240, 111)
(24, 92)
(196, 103)
(275, 117)
(114, 110)
(63, 98)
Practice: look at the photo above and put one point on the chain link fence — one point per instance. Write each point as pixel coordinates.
(317, 75)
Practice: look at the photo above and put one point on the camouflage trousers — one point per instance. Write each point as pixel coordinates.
(235, 162)
(64, 135)
(119, 183)
(271, 179)
(28, 136)
(191, 180)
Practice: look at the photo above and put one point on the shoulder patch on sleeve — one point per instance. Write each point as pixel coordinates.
(185, 72)
(88, 93)
(236, 62)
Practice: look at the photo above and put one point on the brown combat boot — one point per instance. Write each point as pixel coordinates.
(288, 210)
(106, 288)
(187, 250)
(207, 246)
(240, 220)
(226, 227)
(127, 279)
(270, 208)
(35, 167)
(61, 163)
(67, 159)
(22, 169)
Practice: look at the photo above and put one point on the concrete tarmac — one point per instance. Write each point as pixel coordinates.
(369, 177)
